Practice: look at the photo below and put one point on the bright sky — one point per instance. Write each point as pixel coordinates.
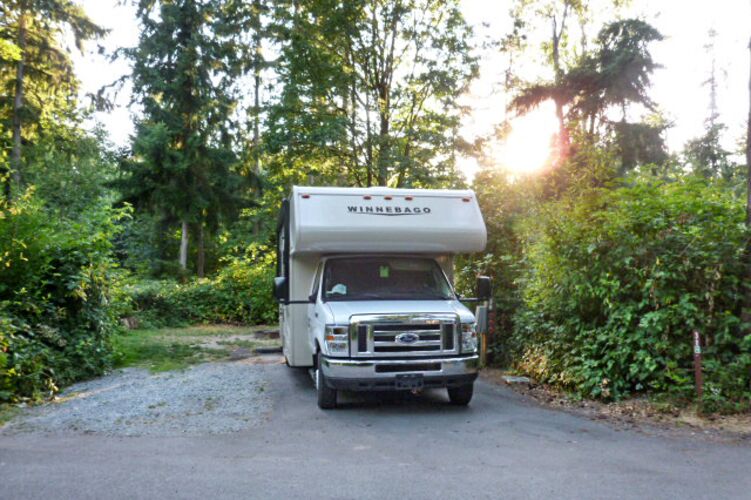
(677, 88)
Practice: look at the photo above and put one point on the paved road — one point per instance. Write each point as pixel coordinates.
(408, 447)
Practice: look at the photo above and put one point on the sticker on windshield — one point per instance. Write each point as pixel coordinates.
(383, 271)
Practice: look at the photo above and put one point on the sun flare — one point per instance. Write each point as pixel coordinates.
(527, 147)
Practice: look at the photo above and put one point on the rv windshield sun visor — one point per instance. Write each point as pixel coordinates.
(385, 220)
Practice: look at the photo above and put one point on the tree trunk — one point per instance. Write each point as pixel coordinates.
(383, 145)
(201, 264)
(15, 157)
(257, 87)
(256, 112)
(368, 140)
(563, 139)
(746, 314)
(384, 141)
(558, 34)
(184, 246)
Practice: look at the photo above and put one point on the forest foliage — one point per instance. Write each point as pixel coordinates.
(604, 263)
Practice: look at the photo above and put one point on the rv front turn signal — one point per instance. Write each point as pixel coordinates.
(336, 341)
(469, 338)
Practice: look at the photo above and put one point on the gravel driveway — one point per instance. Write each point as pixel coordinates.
(212, 398)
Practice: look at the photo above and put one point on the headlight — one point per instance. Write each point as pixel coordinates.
(469, 337)
(336, 340)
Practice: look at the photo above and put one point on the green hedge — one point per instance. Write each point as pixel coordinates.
(57, 302)
(240, 293)
(615, 281)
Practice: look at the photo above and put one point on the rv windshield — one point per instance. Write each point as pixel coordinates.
(384, 278)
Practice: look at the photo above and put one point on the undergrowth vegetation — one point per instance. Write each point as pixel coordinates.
(63, 296)
(599, 292)
(240, 293)
(58, 297)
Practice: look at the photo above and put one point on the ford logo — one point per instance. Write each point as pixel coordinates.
(407, 338)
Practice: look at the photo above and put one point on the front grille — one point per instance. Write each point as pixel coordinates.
(412, 367)
(404, 335)
(362, 338)
(405, 348)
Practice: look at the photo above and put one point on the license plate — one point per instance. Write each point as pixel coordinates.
(409, 381)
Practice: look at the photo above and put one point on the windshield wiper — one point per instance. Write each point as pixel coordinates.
(402, 297)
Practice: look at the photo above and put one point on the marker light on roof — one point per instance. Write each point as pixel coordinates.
(366, 197)
(387, 197)
(408, 198)
(467, 200)
(306, 196)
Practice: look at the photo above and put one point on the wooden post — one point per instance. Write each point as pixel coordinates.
(491, 328)
(698, 376)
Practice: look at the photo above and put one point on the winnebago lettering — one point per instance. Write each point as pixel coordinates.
(388, 210)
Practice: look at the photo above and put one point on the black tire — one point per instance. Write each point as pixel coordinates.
(326, 395)
(461, 395)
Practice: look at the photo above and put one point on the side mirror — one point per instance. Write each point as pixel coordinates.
(312, 298)
(280, 289)
(484, 288)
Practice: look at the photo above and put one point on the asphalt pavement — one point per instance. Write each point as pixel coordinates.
(379, 446)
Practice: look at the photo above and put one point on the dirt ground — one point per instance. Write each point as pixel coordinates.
(638, 414)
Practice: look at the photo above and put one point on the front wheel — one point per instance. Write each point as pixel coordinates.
(326, 395)
(461, 395)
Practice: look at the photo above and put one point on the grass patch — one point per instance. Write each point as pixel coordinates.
(7, 412)
(149, 348)
(165, 349)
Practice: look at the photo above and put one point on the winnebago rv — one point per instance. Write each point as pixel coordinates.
(364, 282)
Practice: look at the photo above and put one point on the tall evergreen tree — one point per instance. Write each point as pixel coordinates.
(705, 154)
(184, 69)
(37, 82)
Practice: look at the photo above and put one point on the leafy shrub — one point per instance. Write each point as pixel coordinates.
(505, 205)
(240, 293)
(614, 283)
(56, 298)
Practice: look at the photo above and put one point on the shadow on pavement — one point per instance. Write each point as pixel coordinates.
(431, 400)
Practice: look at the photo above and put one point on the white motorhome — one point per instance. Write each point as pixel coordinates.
(364, 282)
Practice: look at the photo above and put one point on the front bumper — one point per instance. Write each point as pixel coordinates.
(381, 374)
